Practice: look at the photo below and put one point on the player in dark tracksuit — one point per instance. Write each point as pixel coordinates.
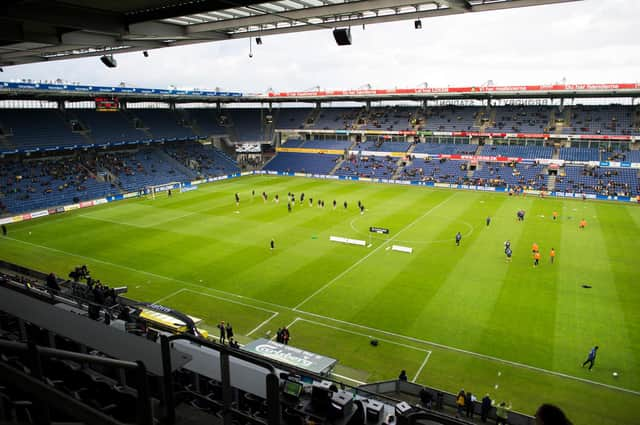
(488, 221)
(458, 238)
(591, 358)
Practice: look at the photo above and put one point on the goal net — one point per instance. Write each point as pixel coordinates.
(152, 191)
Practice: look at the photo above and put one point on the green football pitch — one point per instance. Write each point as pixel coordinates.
(453, 316)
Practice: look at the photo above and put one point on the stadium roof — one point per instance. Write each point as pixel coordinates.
(47, 30)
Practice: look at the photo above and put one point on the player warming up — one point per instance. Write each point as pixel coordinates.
(552, 255)
(458, 238)
(508, 253)
(272, 245)
(536, 259)
(591, 358)
(583, 224)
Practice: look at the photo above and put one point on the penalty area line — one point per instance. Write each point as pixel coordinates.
(171, 295)
(424, 363)
(273, 316)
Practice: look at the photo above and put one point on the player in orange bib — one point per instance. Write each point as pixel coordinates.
(536, 259)
(535, 248)
(583, 223)
(552, 255)
(555, 215)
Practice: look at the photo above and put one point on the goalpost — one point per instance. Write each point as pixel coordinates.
(152, 191)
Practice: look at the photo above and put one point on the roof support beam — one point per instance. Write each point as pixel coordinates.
(302, 14)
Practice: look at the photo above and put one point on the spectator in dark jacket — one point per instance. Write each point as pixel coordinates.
(229, 330)
(469, 404)
(485, 408)
(52, 282)
(403, 375)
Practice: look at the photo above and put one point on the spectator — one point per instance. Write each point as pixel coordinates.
(548, 414)
(285, 336)
(485, 407)
(460, 399)
(222, 332)
(502, 413)
(469, 403)
(52, 282)
(229, 330)
(426, 398)
(403, 376)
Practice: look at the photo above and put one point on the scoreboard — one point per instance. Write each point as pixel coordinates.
(107, 104)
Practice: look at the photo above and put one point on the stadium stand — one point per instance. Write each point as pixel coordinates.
(439, 171)
(451, 118)
(302, 163)
(368, 166)
(249, 126)
(601, 181)
(105, 127)
(380, 146)
(205, 122)
(532, 152)
(291, 118)
(163, 123)
(293, 143)
(38, 128)
(528, 176)
(519, 119)
(580, 154)
(31, 184)
(601, 119)
(205, 161)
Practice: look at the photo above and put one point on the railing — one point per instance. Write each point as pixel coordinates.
(49, 396)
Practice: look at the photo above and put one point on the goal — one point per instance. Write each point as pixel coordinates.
(152, 191)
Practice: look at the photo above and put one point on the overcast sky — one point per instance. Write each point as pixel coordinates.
(592, 41)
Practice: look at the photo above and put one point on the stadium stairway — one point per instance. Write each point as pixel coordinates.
(402, 163)
(181, 167)
(136, 123)
(551, 181)
(336, 167)
(310, 120)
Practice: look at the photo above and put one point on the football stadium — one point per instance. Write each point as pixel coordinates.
(445, 255)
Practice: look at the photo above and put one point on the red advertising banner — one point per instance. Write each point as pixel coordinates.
(470, 89)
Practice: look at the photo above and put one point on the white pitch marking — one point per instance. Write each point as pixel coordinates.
(421, 367)
(348, 379)
(263, 323)
(173, 294)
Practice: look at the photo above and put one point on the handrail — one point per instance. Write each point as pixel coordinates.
(61, 354)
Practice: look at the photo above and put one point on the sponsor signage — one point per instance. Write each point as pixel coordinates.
(104, 89)
(301, 359)
(381, 230)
